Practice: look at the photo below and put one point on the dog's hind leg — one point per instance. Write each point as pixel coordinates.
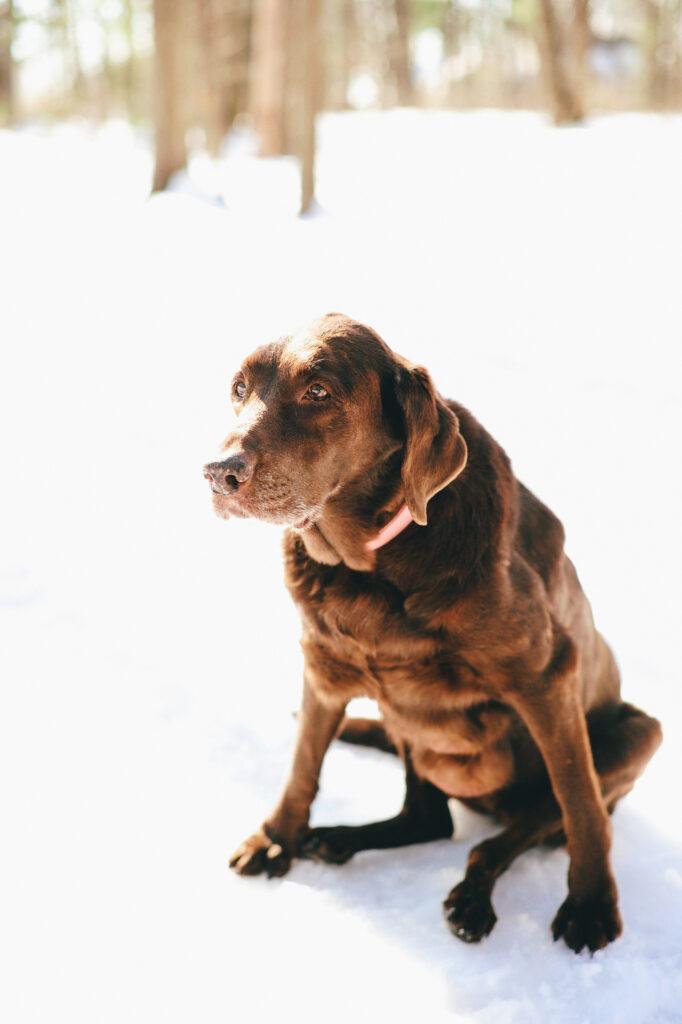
(623, 739)
(425, 816)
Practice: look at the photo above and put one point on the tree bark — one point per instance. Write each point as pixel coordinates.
(7, 97)
(400, 47)
(130, 79)
(171, 85)
(211, 25)
(311, 98)
(654, 76)
(350, 41)
(565, 103)
(269, 48)
(581, 35)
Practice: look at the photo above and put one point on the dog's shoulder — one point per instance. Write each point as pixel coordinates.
(516, 521)
(540, 536)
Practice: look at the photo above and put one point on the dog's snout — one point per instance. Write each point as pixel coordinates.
(230, 474)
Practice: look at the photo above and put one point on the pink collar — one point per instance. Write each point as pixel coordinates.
(395, 526)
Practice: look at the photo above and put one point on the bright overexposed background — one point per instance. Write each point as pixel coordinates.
(150, 656)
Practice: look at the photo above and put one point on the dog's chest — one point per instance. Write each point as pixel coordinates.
(431, 697)
(390, 655)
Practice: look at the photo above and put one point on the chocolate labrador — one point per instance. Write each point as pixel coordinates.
(430, 579)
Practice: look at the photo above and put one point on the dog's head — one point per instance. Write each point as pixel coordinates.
(318, 413)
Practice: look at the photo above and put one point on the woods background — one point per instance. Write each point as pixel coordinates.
(195, 68)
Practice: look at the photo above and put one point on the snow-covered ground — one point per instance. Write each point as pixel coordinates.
(150, 657)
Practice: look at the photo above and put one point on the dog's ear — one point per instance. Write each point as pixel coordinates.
(435, 451)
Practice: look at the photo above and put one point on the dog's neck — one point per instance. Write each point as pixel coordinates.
(365, 514)
(393, 527)
(336, 538)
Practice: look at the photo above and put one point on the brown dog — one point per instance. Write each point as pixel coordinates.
(429, 578)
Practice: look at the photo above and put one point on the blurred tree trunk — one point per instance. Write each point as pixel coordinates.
(238, 79)
(674, 53)
(451, 28)
(130, 75)
(269, 50)
(65, 19)
(399, 51)
(350, 46)
(106, 78)
(565, 102)
(311, 96)
(661, 50)
(209, 54)
(581, 35)
(223, 53)
(649, 43)
(231, 54)
(7, 97)
(171, 116)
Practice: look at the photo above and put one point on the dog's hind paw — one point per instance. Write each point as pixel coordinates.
(261, 853)
(591, 924)
(469, 912)
(329, 845)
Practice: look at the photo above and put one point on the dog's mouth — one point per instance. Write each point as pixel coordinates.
(226, 505)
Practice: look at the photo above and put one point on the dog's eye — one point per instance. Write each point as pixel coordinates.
(317, 393)
(239, 389)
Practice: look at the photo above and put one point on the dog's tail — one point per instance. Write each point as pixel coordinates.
(366, 732)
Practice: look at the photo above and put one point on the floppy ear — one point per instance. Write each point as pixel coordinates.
(435, 451)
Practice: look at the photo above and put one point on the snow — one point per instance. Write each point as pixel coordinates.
(147, 711)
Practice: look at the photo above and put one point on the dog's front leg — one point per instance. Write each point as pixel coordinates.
(551, 708)
(272, 847)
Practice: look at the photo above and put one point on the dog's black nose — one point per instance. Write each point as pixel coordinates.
(227, 476)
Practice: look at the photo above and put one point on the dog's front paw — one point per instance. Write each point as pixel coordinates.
(261, 853)
(330, 845)
(469, 912)
(592, 924)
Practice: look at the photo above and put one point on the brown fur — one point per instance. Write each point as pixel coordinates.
(471, 630)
